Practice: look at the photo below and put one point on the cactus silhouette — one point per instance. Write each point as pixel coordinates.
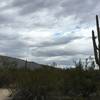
(26, 64)
(96, 46)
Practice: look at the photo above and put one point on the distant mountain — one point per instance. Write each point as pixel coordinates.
(6, 61)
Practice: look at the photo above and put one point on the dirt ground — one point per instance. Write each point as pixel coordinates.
(4, 94)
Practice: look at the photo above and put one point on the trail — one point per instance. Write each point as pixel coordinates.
(4, 94)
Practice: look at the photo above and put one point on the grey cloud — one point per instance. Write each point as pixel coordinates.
(68, 7)
(5, 37)
(13, 45)
(53, 53)
(31, 6)
(47, 52)
(17, 14)
(57, 41)
(72, 7)
(6, 19)
(84, 10)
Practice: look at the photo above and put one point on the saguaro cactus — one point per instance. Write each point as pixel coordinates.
(96, 45)
(26, 64)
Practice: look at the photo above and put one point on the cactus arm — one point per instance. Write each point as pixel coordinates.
(98, 32)
(97, 24)
(95, 48)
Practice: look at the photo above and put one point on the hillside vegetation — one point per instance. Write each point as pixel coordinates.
(49, 83)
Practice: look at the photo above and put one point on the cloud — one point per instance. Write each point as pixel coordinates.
(62, 40)
(31, 6)
(47, 31)
(72, 48)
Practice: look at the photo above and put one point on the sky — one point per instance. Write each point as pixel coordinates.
(46, 31)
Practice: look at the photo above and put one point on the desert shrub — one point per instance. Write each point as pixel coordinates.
(49, 82)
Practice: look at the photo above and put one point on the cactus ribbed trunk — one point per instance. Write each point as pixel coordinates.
(96, 46)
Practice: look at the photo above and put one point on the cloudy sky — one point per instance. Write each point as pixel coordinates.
(47, 31)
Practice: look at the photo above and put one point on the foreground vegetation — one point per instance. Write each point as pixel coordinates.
(49, 83)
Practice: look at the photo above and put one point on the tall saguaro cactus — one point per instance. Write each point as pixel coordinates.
(96, 45)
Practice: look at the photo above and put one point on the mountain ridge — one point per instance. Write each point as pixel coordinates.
(7, 61)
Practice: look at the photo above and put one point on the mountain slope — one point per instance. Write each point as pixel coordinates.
(6, 61)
